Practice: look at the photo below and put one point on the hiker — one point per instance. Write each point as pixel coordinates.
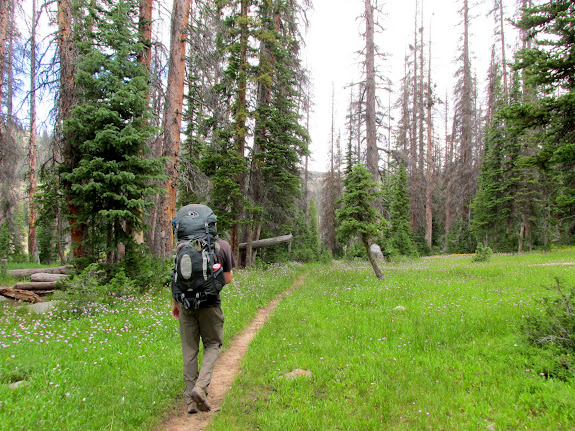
(203, 261)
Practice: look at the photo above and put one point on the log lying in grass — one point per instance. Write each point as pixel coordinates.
(41, 285)
(28, 272)
(44, 276)
(268, 241)
(22, 295)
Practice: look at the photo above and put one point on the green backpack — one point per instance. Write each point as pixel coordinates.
(197, 277)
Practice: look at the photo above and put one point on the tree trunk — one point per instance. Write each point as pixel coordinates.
(45, 276)
(503, 51)
(371, 258)
(267, 242)
(145, 30)
(172, 122)
(59, 236)
(33, 145)
(20, 295)
(3, 39)
(372, 159)
(67, 54)
(16, 273)
(428, 158)
(241, 116)
(145, 58)
(41, 285)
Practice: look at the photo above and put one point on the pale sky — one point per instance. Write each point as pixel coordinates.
(334, 37)
(333, 40)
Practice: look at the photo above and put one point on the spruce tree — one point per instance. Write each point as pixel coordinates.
(400, 236)
(358, 217)
(546, 123)
(106, 131)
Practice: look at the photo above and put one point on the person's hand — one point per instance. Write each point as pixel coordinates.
(175, 310)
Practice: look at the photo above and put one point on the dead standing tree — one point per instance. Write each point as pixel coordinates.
(32, 143)
(67, 53)
(464, 174)
(372, 158)
(172, 124)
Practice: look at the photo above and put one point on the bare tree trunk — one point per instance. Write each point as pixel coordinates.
(372, 159)
(3, 32)
(33, 144)
(67, 53)
(428, 157)
(420, 102)
(503, 51)
(412, 168)
(241, 116)
(144, 58)
(59, 236)
(173, 121)
(10, 61)
(371, 258)
(145, 30)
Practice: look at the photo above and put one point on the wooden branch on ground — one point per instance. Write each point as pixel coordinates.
(44, 276)
(20, 295)
(28, 272)
(268, 241)
(42, 285)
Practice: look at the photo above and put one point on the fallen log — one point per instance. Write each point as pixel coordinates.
(20, 295)
(28, 272)
(40, 285)
(268, 241)
(44, 276)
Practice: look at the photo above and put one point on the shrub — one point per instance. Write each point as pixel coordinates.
(482, 253)
(556, 324)
(552, 332)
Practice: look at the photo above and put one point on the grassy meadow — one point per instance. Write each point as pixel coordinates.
(452, 357)
(109, 367)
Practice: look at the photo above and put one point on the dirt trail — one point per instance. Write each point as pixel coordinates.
(225, 371)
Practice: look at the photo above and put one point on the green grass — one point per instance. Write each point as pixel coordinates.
(112, 367)
(454, 359)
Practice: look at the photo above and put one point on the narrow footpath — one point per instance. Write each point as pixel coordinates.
(225, 371)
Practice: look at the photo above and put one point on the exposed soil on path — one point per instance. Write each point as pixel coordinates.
(225, 371)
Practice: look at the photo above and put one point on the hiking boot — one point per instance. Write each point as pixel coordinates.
(200, 397)
(192, 408)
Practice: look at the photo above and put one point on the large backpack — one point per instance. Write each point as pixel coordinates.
(198, 276)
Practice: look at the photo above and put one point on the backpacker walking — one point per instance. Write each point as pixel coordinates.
(203, 265)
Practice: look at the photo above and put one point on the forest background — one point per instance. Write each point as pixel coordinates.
(217, 110)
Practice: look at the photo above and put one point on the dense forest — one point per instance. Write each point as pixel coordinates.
(216, 108)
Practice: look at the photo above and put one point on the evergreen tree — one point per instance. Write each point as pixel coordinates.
(400, 236)
(280, 141)
(546, 124)
(491, 205)
(358, 217)
(106, 130)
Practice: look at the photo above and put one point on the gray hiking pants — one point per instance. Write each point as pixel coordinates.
(207, 324)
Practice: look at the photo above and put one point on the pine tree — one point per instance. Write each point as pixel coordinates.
(549, 67)
(358, 217)
(107, 133)
(400, 235)
(280, 140)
